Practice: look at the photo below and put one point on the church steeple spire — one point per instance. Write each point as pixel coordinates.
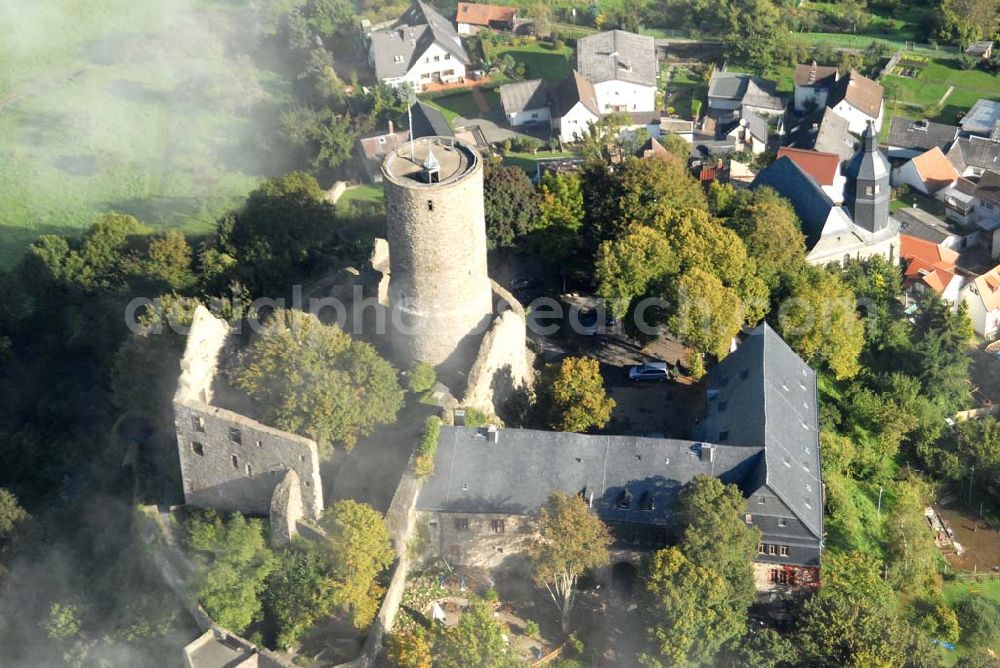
(868, 184)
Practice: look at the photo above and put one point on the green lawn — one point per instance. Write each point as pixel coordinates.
(526, 161)
(957, 589)
(461, 103)
(936, 75)
(928, 204)
(163, 125)
(368, 192)
(541, 61)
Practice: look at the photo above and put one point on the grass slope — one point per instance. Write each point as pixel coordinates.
(160, 120)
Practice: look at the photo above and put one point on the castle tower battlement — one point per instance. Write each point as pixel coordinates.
(436, 230)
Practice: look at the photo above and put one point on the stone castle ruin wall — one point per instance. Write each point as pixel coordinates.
(229, 461)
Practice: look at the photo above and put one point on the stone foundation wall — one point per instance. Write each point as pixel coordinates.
(472, 539)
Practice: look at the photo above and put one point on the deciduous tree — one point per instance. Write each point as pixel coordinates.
(510, 203)
(477, 640)
(360, 550)
(315, 380)
(626, 266)
(574, 396)
(690, 609)
(572, 540)
(819, 321)
(234, 564)
(707, 314)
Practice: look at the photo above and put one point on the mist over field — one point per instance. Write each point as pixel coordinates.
(152, 108)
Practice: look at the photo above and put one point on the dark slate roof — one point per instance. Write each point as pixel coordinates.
(868, 164)
(617, 54)
(988, 187)
(518, 473)
(921, 224)
(756, 125)
(982, 117)
(524, 95)
(762, 97)
(974, 152)
(919, 135)
(825, 131)
(811, 204)
(735, 85)
(418, 28)
(771, 421)
(572, 89)
(429, 122)
(764, 395)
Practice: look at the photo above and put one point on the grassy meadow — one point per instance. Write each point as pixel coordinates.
(134, 107)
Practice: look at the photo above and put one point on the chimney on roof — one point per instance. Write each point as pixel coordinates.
(391, 128)
(459, 417)
(492, 434)
(707, 452)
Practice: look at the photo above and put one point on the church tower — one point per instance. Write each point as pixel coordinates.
(868, 185)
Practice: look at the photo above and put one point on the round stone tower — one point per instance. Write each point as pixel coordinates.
(439, 292)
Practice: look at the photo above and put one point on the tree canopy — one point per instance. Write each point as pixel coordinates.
(572, 395)
(315, 380)
(572, 540)
(510, 203)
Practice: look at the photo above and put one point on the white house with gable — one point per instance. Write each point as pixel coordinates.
(422, 48)
(623, 68)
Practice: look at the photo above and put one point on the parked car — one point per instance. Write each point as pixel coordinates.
(649, 371)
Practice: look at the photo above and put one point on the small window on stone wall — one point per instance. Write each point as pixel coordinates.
(258, 444)
(430, 205)
(309, 483)
(198, 423)
(198, 448)
(498, 526)
(461, 524)
(249, 470)
(302, 458)
(235, 436)
(236, 462)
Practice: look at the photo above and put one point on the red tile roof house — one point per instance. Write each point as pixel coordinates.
(471, 17)
(823, 167)
(928, 173)
(929, 267)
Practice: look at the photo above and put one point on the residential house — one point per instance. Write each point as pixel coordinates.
(731, 94)
(908, 138)
(928, 173)
(919, 224)
(825, 131)
(749, 133)
(623, 69)
(972, 156)
(812, 86)
(761, 433)
(862, 228)
(982, 119)
(929, 268)
(471, 17)
(982, 296)
(959, 201)
(987, 210)
(824, 168)
(422, 48)
(574, 107)
(858, 99)
(526, 102)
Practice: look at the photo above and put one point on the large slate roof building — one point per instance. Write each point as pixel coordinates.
(623, 68)
(761, 433)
